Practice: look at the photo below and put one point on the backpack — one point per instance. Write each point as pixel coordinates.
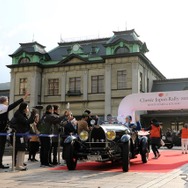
(43, 129)
(41, 125)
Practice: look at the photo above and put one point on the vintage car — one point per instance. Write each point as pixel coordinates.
(106, 142)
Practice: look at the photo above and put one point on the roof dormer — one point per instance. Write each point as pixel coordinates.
(123, 42)
(32, 52)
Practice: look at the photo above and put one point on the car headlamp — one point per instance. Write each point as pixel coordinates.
(110, 135)
(83, 135)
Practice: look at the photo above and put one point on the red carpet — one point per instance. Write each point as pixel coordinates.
(168, 161)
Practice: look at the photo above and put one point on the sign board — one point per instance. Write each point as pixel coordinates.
(174, 100)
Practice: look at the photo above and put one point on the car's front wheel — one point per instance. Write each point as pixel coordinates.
(125, 156)
(145, 157)
(144, 149)
(69, 156)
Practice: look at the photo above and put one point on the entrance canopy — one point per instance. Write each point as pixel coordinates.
(174, 100)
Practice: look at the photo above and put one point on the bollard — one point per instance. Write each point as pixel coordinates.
(58, 149)
(13, 150)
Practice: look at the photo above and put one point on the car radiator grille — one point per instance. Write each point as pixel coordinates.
(97, 138)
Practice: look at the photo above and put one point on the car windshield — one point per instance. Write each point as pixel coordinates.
(111, 120)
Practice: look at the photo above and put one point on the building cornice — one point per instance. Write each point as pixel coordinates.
(141, 56)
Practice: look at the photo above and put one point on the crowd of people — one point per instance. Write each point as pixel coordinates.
(38, 128)
(52, 123)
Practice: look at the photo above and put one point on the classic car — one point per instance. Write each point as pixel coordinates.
(106, 142)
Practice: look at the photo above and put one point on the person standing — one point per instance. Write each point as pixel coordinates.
(155, 137)
(71, 127)
(4, 110)
(45, 127)
(22, 126)
(34, 140)
(184, 138)
(89, 117)
(83, 123)
(54, 145)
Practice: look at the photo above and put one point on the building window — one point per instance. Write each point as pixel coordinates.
(97, 84)
(23, 86)
(74, 84)
(53, 86)
(24, 60)
(141, 82)
(121, 79)
(121, 50)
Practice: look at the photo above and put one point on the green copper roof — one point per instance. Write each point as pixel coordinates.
(122, 42)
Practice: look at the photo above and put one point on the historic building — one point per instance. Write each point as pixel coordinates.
(91, 74)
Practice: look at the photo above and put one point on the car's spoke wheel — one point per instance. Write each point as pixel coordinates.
(70, 158)
(125, 156)
(144, 153)
(144, 157)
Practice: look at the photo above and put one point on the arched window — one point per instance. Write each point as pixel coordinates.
(121, 50)
(24, 60)
(41, 60)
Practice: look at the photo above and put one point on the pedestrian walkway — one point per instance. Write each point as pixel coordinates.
(36, 177)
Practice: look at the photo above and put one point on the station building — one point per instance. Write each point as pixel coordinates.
(93, 74)
(90, 74)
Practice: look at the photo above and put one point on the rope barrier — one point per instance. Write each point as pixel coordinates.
(28, 134)
(14, 134)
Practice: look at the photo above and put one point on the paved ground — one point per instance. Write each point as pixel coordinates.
(36, 176)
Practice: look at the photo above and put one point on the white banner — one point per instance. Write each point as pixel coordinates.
(175, 100)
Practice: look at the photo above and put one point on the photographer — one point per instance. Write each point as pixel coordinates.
(22, 126)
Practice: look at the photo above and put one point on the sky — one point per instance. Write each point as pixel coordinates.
(162, 24)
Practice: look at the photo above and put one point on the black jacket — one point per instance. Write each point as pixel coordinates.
(22, 126)
(4, 114)
(55, 129)
(23, 122)
(69, 128)
(47, 121)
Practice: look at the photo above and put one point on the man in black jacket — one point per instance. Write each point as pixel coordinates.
(54, 145)
(45, 128)
(4, 110)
